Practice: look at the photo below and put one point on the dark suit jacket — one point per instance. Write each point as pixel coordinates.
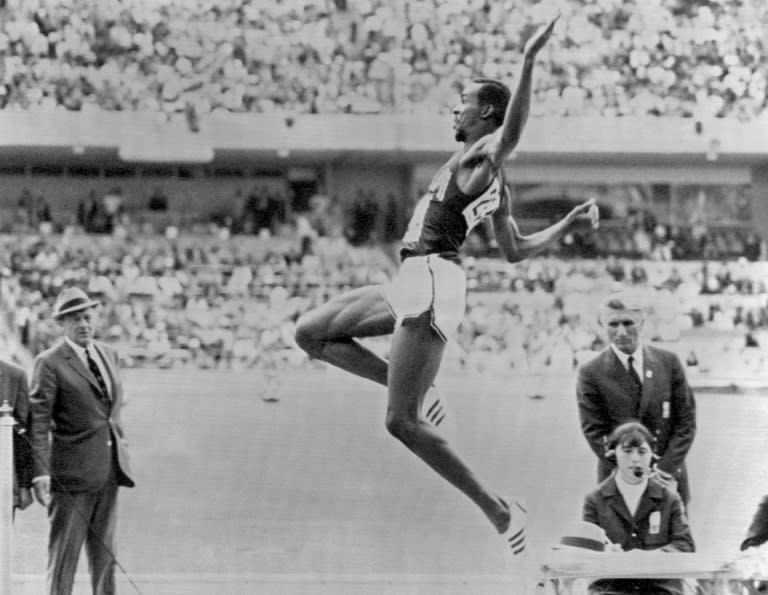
(757, 534)
(87, 434)
(606, 508)
(606, 398)
(14, 389)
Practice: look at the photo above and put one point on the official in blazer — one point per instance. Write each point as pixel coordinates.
(757, 534)
(632, 381)
(637, 512)
(76, 397)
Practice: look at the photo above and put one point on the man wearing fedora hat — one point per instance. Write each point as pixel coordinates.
(583, 536)
(76, 397)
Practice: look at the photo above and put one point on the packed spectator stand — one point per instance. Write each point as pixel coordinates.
(214, 301)
(612, 58)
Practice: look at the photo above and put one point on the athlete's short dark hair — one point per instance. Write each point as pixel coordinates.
(495, 93)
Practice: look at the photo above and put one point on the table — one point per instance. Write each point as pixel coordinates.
(569, 571)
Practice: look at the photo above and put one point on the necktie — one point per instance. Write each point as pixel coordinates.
(633, 372)
(97, 373)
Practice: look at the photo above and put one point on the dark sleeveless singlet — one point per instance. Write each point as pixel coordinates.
(445, 215)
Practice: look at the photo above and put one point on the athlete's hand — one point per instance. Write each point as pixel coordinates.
(539, 39)
(585, 215)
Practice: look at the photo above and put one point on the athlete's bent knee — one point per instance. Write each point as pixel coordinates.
(401, 427)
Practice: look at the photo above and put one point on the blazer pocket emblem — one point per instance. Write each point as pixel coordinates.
(654, 523)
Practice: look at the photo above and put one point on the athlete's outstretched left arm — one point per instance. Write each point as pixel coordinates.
(505, 139)
(517, 247)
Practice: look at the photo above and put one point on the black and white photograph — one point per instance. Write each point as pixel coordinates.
(383, 297)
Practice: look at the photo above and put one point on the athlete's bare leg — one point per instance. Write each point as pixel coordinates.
(328, 332)
(415, 357)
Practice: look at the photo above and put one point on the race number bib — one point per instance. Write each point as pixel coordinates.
(482, 206)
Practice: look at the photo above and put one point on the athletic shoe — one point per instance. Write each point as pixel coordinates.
(514, 536)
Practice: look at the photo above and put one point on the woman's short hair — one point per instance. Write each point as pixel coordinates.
(630, 434)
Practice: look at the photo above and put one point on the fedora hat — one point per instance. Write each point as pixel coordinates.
(583, 536)
(72, 299)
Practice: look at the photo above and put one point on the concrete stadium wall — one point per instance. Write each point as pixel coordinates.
(528, 172)
(344, 133)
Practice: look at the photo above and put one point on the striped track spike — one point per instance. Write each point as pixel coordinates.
(434, 410)
(515, 534)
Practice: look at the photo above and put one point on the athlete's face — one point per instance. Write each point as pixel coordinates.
(466, 115)
(623, 329)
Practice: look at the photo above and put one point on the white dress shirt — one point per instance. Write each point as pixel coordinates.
(80, 351)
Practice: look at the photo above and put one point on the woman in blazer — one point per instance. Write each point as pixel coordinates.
(637, 512)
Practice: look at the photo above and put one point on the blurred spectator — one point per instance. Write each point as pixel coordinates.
(112, 207)
(306, 235)
(362, 217)
(263, 209)
(752, 246)
(158, 200)
(43, 211)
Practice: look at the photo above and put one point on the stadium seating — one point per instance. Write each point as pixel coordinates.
(667, 57)
(214, 302)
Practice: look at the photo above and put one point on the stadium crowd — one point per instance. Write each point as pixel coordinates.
(218, 302)
(662, 242)
(205, 301)
(612, 58)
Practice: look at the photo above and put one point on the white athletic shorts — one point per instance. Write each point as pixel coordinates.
(428, 284)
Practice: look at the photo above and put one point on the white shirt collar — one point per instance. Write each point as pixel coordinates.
(624, 484)
(631, 492)
(637, 362)
(79, 350)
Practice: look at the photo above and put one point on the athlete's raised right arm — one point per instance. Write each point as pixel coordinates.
(502, 142)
